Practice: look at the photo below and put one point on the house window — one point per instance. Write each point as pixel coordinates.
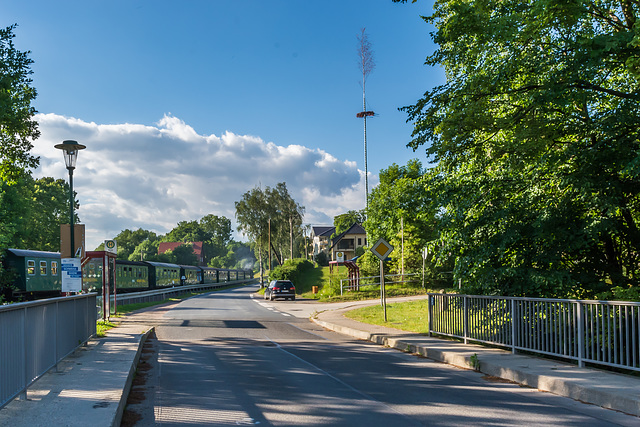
(359, 241)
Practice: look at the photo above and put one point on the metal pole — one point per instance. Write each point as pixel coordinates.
(269, 246)
(383, 290)
(71, 219)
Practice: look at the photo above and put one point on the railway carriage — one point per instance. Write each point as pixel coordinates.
(190, 275)
(35, 271)
(132, 276)
(162, 274)
(37, 274)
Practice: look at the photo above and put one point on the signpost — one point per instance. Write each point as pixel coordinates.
(425, 255)
(382, 249)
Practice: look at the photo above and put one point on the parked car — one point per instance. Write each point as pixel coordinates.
(280, 289)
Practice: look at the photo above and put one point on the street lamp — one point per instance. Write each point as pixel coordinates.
(70, 151)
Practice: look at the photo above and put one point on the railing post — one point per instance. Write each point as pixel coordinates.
(513, 326)
(430, 313)
(23, 395)
(465, 332)
(580, 334)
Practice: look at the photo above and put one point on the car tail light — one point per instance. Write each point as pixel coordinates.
(276, 289)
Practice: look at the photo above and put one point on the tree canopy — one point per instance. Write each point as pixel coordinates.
(259, 211)
(535, 136)
(17, 127)
(343, 221)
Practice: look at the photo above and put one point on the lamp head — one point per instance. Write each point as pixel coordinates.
(70, 150)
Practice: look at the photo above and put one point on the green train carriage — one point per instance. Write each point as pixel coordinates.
(36, 272)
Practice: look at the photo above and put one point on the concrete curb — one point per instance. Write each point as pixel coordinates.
(608, 396)
(117, 420)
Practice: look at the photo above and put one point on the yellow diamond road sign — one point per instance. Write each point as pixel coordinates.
(382, 249)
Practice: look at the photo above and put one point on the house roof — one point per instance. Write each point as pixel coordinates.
(354, 229)
(169, 246)
(320, 230)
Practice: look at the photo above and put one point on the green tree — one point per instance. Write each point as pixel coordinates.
(127, 241)
(344, 221)
(401, 210)
(184, 255)
(17, 127)
(31, 212)
(186, 231)
(270, 209)
(535, 135)
(217, 230)
(146, 250)
(252, 214)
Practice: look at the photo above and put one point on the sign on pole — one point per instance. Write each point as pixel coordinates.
(111, 246)
(340, 256)
(71, 269)
(382, 249)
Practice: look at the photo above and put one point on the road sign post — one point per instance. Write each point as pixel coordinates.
(382, 249)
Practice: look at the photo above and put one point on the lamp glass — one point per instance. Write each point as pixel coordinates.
(70, 157)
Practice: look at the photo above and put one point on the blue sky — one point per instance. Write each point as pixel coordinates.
(186, 105)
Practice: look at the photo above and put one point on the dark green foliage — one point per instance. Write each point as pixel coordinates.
(321, 259)
(535, 135)
(344, 221)
(292, 270)
(270, 215)
(402, 208)
(17, 127)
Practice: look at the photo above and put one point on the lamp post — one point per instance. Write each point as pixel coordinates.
(70, 151)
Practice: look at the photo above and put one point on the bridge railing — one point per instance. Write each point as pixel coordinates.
(35, 336)
(166, 293)
(598, 332)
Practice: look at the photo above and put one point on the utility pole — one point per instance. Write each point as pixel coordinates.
(366, 65)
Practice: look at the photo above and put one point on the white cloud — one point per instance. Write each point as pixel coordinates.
(133, 176)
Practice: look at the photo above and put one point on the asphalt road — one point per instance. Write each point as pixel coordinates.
(227, 358)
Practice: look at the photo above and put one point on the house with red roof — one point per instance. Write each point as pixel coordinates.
(170, 246)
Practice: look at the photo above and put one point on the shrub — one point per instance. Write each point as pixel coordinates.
(292, 270)
(321, 259)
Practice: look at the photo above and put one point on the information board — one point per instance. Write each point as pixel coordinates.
(71, 269)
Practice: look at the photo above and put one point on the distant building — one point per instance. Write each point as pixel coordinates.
(321, 236)
(347, 242)
(170, 246)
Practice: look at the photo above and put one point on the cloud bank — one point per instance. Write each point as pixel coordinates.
(137, 176)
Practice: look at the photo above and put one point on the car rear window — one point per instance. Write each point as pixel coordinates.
(284, 285)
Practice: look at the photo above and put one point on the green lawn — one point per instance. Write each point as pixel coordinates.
(409, 316)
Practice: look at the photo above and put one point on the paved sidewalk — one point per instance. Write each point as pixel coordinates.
(605, 389)
(90, 387)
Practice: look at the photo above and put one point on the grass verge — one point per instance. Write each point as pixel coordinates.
(102, 327)
(409, 316)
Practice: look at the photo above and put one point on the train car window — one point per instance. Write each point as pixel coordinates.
(31, 267)
(54, 268)
(43, 268)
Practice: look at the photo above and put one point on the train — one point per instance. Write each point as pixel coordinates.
(37, 274)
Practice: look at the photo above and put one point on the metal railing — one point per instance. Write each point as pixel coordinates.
(35, 336)
(598, 332)
(389, 279)
(166, 293)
